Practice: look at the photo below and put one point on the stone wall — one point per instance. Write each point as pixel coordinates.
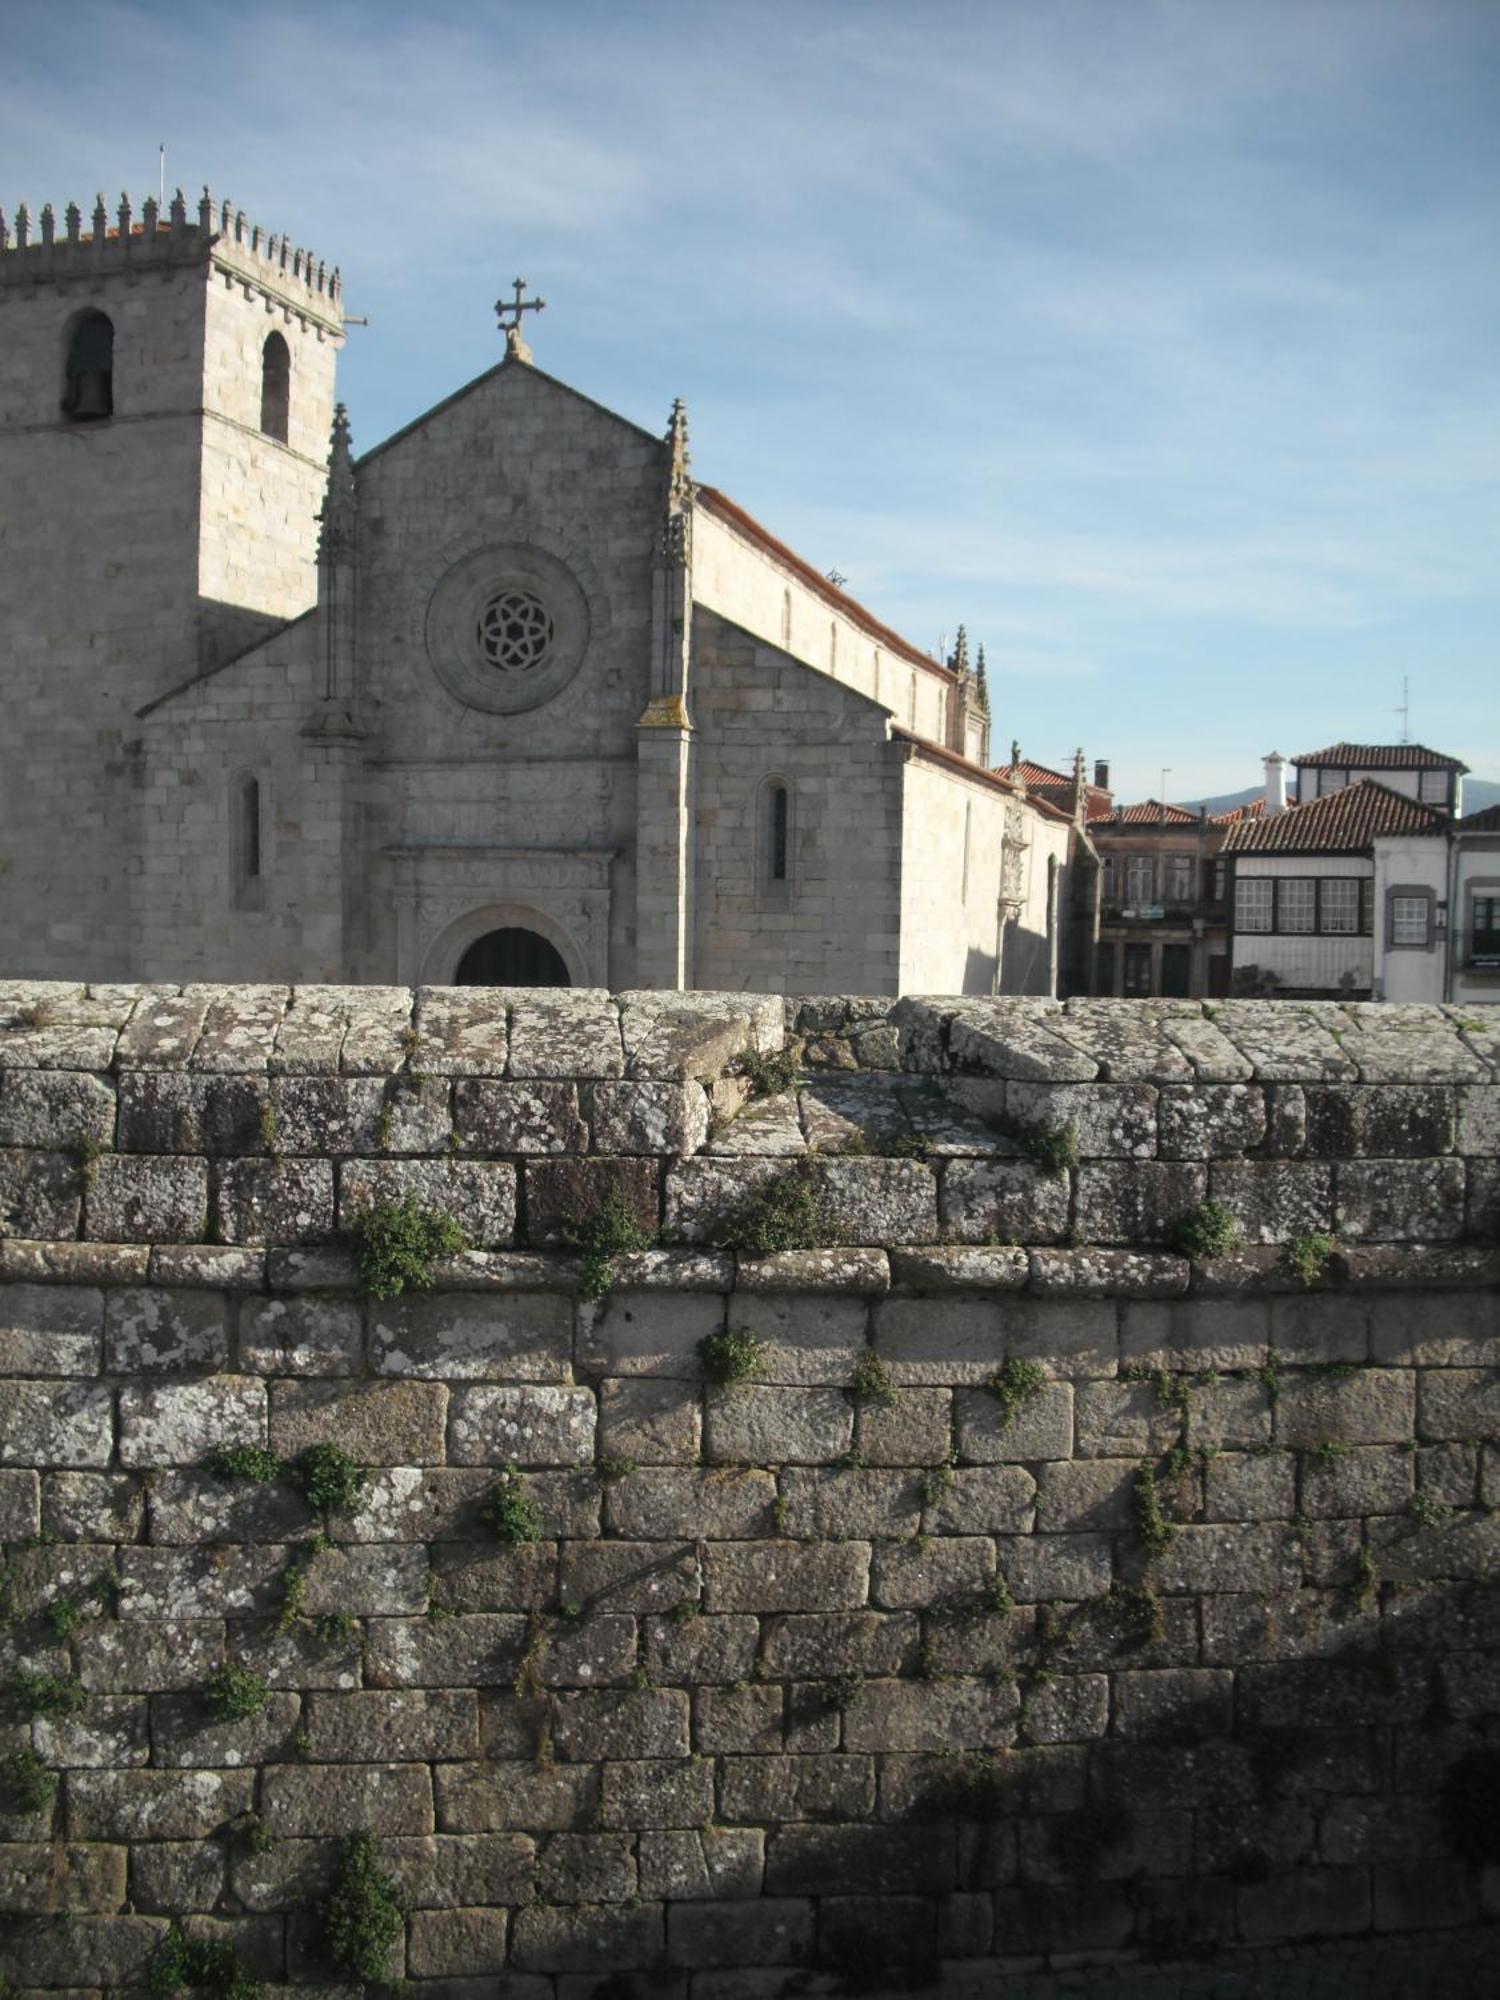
(1041, 1590)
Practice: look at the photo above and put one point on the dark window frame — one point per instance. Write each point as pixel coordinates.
(1364, 926)
(1410, 892)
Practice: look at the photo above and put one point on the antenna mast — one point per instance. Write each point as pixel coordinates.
(1403, 708)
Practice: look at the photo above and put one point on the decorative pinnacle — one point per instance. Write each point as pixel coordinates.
(341, 501)
(508, 312)
(982, 685)
(959, 661)
(679, 494)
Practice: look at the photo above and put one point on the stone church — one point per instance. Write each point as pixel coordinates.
(508, 699)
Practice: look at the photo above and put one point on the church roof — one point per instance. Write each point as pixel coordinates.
(1378, 757)
(1056, 787)
(1342, 822)
(730, 511)
(997, 780)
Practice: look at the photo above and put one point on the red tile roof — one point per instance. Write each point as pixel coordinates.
(1342, 822)
(1151, 812)
(1057, 786)
(1252, 809)
(1379, 757)
(940, 754)
(730, 511)
(1485, 821)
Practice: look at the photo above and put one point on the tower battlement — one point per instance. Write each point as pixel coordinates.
(34, 250)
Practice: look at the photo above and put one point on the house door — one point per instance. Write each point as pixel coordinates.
(1176, 971)
(1137, 981)
(511, 958)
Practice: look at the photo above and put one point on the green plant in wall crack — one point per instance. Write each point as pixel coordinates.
(1013, 1385)
(396, 1244)
(27, 1785)
(872, 1381)
(86, 1156)
(362, 1917)
(246, 1461)
(1308, 1256)
(232, 1693)
(209, 1966)
(733, 1354)
(1209, 1230)
(47, 1694)
(330, 1480)
(1151, 1524)
(611, 1229)
(788, 1213)
(510, 1510)
(768, 1074)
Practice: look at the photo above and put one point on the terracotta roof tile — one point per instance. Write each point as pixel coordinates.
(1487, 820)
(1341, 822)
(1057, 787)
(1379, 757)
(1252, 809)
(1150, 812)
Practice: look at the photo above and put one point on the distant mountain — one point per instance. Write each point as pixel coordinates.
(1478, 793)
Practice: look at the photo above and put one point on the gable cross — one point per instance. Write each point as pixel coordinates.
(509, 312)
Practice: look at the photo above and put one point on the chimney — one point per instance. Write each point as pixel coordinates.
(1275, 783)
(1101, 774)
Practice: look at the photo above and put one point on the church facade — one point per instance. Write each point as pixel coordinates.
(510, 698)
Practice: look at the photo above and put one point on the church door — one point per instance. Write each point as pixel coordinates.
(511, 958)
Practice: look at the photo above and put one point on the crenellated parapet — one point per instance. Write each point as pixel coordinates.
(37, 250)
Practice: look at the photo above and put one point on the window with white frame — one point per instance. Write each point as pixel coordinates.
(1433, 788)
(1409, 919)
(1253, 903)
(1297, 905)
(1140, 879)
(1179, 884)
(1107, 878)
(1339, 915)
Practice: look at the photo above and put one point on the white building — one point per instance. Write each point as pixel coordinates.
(1474, 899)
(510, 698)
(1351, 892)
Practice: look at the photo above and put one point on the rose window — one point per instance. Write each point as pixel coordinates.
(515, 632)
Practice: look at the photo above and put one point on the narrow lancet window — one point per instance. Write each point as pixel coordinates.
(89, 369)
(250, 829)
(778, 833)
(275, 387)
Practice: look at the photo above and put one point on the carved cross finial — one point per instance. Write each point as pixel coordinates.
(508, 312)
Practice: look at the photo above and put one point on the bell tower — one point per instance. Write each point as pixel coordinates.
(166, 393)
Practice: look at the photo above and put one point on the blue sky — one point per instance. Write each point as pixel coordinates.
(1156, 340)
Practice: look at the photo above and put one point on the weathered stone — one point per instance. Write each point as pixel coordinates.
(803, 1272)
(1070, 1709)
(650, 1421)
(511, 1336)
(25, 1262)
(154, 1656)
(456, 1943)
(192, 1505)
(1230, 1556)
(693, 1865)
(478, 1195)
(377, 1726)
(811, 1787)
(787, 1576)
(880, 1202)
(620, 1723)
(628, 1576)
(563, 1195)
(377, 1423)
(41, 1107)
(1478, 1119)
(95, 1949)
(1399, 1200)
(41, 1196)
(165, 1113)
(109, 1733)
(1041, 1427)
(949, 1570)
(179, 1423)
(1039, 1567)
(1460, 1402)
(301, 1336)
(56, 1423)
(502, 1797)
(155, 1331)
(1195, 1335)
(1271, 1201)
(175, 1875)
(656, 1793)
(274, 1201)
(1108, 1274)
(1250, 1486)
(1319, 1330)
(513, 1577)
(719, 1505)
(182, 1734)
(962, 1268)
(767, 1128)
(748, 1423)
(982, 1499)
(540, 1425)
(145, 1201)
(691, 1650)
(1143, 1204)
(1435, 1330)
(649, 1333)
(378, 1798)
(604, 1937)
(157, 1805)
(939, 1715)
(1172, 1705)
(1009, 1201)
(1370, 1406)
(50, 1329)
(649, 1117)
(913, 1428)
(20, 1505)
(1208, 1121)
(836, 1504)
(200, 1582)
(566, 1034)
